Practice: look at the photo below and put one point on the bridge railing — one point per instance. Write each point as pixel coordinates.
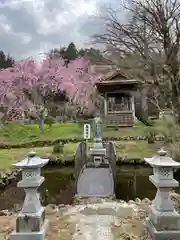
(80, 158)
(111, 156)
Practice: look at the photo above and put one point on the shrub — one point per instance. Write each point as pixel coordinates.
(170, 132)
(58, 148)
(49, 121)
(151, 135)
(174, 150)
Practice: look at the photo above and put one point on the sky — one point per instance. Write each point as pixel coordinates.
(33, 27)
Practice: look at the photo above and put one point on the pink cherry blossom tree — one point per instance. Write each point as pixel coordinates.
(29, 84)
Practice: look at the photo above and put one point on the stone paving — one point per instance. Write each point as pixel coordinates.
(93, 227)
(102, 221)
(107, 220)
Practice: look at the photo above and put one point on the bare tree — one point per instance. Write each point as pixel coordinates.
(148, 44)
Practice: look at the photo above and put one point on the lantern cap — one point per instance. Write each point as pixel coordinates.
(161, 159)
(162, 152)
(31, 154)
(31, 161)
(98, 118)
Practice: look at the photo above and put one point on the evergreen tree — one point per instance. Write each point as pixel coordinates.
(57, 52)
(5, 60)
(71, 52)
(82, 52)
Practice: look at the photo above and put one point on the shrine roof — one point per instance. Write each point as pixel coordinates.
(116, 77)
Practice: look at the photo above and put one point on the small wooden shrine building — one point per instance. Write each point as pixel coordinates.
(119, 98)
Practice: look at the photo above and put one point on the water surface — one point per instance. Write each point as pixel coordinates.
(58, 188)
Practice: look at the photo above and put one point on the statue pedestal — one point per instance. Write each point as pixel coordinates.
(98, 151)
(163, 222)
(31, 223)
(161, 235)
(36, 235)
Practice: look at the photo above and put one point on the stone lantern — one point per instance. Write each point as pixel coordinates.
(31, 223)
(163, 222)
(98, 152)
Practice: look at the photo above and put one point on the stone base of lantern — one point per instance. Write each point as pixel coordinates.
(161, 235)
(164, 220)
(163, 225)
(30, 225)
(30, 235)
(98, 151)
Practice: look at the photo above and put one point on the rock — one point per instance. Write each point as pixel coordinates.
(117, 222)
(125, 210)
(10, 178)
(110, 208)
(8, 173)
(51, 208)
(95, 200)
(61, 206)
(6, 181)
(146, 201)
(2, 184)
(89, 211)
(62, 209)
(138, 201)
(127, 236)
(107, 209)
(17, 208)
(4, 213)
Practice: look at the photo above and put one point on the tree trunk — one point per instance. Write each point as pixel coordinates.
(41, 125)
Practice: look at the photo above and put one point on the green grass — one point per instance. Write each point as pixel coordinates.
(19, 133)
(10, 156)
(125, 149)
(136, 149)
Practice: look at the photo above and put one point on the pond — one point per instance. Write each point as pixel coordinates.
(131, 182)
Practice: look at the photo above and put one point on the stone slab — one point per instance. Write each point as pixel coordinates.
(30, 236)
(164, 220)
(161, 235)
(110, 208)
(30, 223)
(95, 182)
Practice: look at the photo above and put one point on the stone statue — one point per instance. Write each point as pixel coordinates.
(97, 128)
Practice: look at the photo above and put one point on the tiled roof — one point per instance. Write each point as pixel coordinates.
(116, 76)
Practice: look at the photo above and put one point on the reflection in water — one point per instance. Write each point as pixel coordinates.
(58, 188)
(133, 182)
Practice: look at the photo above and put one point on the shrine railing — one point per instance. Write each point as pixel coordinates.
(120, 118)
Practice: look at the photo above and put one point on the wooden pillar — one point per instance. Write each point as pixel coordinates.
(133, 106)
(105, 106)
(144, 102)
(134, 184)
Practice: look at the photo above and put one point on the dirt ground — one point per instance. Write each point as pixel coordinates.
(61, 225)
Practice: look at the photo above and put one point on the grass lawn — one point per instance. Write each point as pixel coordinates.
(136, 149)
(18, 133)
(10, 156)
(125, 149)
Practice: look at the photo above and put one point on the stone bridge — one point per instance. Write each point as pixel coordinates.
(95, 180)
